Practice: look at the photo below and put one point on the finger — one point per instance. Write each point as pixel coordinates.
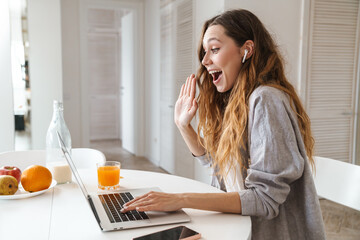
(136, 205)
(132, 201)
(136, 199)
(147, 208)
(193, 87)
(139, 198)
(188, 93)
(141, 201)
(187, 86)
(194, 107)
(182, 91)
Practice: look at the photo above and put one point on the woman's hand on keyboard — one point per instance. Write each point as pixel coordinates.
(154, 201)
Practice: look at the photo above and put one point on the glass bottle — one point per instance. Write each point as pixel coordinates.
(55, 160)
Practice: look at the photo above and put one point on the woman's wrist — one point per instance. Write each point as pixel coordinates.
(184, 200)
(191, 139)
(184, 128)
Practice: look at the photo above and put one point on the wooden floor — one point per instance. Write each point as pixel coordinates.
(340, 222)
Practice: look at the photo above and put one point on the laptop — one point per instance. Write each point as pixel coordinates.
(106, 206)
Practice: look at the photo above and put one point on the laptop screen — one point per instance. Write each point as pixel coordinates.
(72, 165)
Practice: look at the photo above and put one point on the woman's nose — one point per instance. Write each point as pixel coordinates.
(206, 60)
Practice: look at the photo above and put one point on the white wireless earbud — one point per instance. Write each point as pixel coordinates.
(246, 52)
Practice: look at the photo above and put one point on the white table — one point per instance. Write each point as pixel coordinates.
(63, 212)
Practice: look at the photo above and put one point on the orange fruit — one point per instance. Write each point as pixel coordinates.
(36, 178)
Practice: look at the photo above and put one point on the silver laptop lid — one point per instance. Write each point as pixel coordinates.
(72, 165)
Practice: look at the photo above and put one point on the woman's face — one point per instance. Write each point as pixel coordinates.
(222, 57)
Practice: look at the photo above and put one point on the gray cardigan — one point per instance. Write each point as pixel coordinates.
(279, 193)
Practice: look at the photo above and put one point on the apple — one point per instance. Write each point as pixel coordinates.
(12, 171)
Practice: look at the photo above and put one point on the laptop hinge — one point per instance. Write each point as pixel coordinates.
(94, 211)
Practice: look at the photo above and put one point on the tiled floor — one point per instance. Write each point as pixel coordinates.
(340, 222)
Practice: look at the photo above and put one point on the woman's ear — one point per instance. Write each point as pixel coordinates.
(249, 46)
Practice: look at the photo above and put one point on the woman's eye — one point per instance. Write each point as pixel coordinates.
(215, 50)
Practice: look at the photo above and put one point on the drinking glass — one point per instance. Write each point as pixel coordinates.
(108, 175)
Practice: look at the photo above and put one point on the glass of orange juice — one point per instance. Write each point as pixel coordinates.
(108, 175)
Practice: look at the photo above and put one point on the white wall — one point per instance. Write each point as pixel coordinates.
(6, 91)
(283, 19)
(45, 65)
(152, 80)
(128, 76)
(71, 68)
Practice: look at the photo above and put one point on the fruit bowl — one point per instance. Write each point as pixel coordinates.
(21, 193)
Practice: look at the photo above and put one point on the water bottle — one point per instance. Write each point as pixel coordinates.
(55, 160)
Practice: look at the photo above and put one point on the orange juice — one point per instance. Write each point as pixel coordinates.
(108, 175)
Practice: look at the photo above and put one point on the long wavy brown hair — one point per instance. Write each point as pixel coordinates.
(223, 117)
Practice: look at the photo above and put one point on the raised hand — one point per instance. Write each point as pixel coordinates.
(186, 105)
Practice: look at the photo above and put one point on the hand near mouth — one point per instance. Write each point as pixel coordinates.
(186, 105)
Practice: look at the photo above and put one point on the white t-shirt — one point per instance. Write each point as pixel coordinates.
(234, 181)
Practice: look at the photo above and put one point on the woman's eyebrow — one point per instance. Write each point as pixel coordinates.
(213, 39)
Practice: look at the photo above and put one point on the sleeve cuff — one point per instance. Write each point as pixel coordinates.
(203, 160)
(248, 203)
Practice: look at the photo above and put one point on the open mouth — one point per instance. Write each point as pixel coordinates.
(216, 75)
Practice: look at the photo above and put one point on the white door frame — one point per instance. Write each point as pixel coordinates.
(7, 129)
(137, 6)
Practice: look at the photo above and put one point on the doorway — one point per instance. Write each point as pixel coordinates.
(104, 70)
(20, 74)
(109, 85)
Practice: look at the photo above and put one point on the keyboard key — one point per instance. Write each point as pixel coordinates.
(124, 197)
(143, 215)
(136, 215)
(130, 197)
(112, 209)
(117, 196)
(113, 203)
(130, 216)
(123, 217)
(112, 220)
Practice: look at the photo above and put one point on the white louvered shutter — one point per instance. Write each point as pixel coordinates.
(332, 76)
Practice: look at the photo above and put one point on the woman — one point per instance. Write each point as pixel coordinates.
(257, 135)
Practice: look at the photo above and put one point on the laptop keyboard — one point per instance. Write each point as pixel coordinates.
(113, 203)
